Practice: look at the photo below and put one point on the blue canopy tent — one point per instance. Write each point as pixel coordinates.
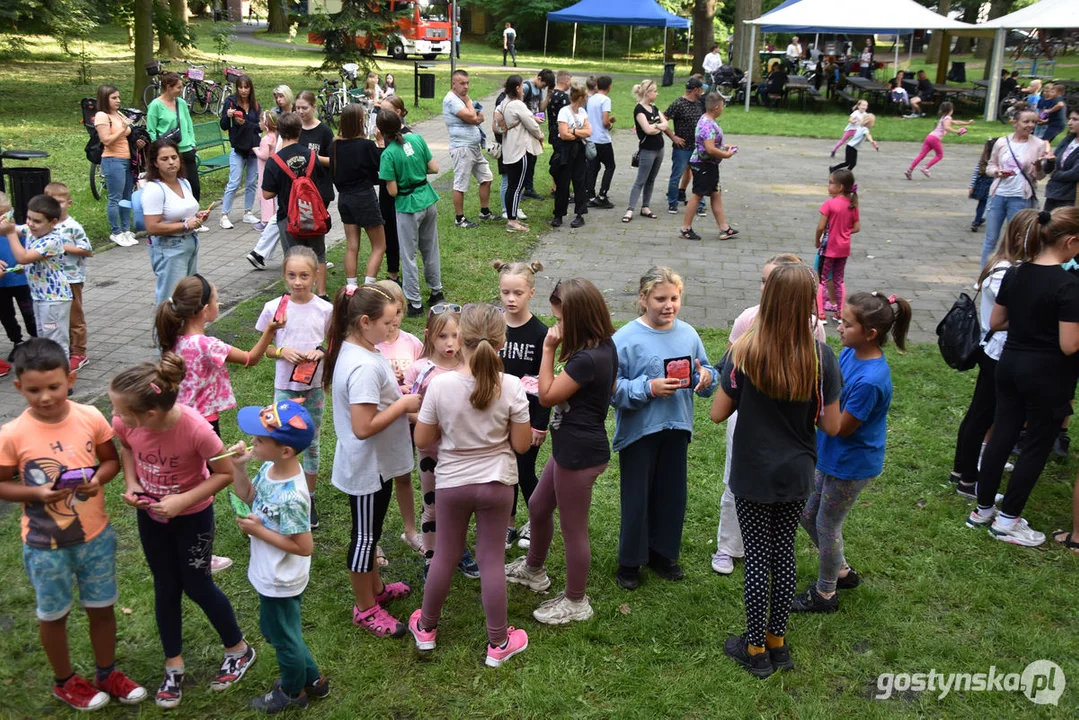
(646, 13)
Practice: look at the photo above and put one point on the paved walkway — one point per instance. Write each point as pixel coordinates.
(915, 239)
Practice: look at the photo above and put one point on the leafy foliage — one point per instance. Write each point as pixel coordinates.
(351, 35)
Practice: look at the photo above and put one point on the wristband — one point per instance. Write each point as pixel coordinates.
(185, 224)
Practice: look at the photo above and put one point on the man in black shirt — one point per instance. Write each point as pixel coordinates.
(683, 115)
(558, 100)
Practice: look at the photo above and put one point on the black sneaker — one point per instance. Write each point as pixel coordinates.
(628, 578)
(276, 700)
(488, 216)
(11, 355)
(672, 208)
(415, 310)
(681, 196)
(232, 669)
(759, 665)
(468, 566)
(701, 210)
(967, 490)
(313, 515)
(256, 260)
(511, 536)
(555, 222)
(781, 657)
(317, 690)
(435, 298)
(532, 195)
(1061, 445)
(465, 223)
(576, 222)
(811, 601)
(688, 234)
(664, 567)
(850, 582)
(602, 202)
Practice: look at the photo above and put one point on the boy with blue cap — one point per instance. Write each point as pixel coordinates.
(281, 544)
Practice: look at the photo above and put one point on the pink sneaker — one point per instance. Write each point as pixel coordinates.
(516, 641)
(425, 639)
(378, 622)
(925, 171)
(392, 591)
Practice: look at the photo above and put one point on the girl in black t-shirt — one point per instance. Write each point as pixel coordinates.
(782, 382)
(1038, 304)
(650, 124)
(581, 396)
(354, 162)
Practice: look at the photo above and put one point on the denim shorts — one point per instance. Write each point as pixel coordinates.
(54, 574)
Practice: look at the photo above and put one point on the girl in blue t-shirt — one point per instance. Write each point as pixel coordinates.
(848, 461)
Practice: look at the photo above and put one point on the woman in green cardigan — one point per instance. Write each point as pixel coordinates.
(165, 114)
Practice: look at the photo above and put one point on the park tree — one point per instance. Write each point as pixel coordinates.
(351, 35)
(168, 45)
(143, 23)
(704, 36)
(997, 8)
(933, 53)
(745, 10)
(277, 16)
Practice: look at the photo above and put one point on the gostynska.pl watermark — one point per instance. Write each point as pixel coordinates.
(1042, 682)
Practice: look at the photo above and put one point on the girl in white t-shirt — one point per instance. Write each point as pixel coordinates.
(853, 123)
(479, 415)
(373, 447)
(299, 348)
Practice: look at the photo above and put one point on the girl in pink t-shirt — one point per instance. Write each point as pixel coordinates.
(838, 221)
(441, 354)
(935, 140)
(267, 147)
(402, 349)
(165, 450)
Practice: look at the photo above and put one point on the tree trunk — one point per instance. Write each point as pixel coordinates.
(933, 54)
(745, 10)
(964, 43)
(704, 36)
(144, 44)
(278, 19)
(997, 9)
(167, 46)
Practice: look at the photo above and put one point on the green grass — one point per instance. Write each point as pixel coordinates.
(936, 594)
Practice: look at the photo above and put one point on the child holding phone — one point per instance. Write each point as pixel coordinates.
(299, 347)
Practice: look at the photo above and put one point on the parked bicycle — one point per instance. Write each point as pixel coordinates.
(97, 175)
(201, 95)
(232, 73)
(154, 70)
(332, 99)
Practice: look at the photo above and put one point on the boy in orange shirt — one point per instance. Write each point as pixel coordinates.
(63, 454)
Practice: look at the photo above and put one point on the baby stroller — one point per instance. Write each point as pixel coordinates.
(730, 83)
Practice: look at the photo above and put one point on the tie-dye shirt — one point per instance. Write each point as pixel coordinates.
(48, 283)
(283, 507)
(206, 386)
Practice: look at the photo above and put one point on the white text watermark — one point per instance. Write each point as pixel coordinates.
(1042, 682)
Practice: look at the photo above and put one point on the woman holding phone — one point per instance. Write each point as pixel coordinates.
(172, 218)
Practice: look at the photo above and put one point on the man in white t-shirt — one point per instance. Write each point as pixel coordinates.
(509, 40)
(794, 54)
(711, 61)
(463, 121)
(602, 120)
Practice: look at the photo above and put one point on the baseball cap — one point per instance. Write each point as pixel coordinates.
(286, 422)
(694, 84)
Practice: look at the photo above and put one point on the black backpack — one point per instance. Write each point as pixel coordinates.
(94, 148)
(959, 333)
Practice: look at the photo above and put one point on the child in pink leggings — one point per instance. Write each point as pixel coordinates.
(479, 416)
(934, 140)
(580, 395)
(838, 221)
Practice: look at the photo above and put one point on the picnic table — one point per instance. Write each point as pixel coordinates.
(797, 84)
(866, 86)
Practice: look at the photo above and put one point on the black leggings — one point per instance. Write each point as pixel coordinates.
(10, 297)
(1032, 389)
(526, 476)
(191, 172)
(573, 170)
(516, 173)
(977, 421)
(605, 157)
(768, 532)
(178, 553)
(389, 217)
(851, 159)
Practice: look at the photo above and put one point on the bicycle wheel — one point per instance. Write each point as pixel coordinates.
(216, 101)
(190, 95)
(149, 93)
(97, 181)
(333, 109)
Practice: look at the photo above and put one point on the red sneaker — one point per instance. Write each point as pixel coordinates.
(80, 694)
(78, 362)
(5, 368)
(124, 689)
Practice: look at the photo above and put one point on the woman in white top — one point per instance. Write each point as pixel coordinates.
(1016, 166)
(172, 219)
(522, 141)
(569, 162)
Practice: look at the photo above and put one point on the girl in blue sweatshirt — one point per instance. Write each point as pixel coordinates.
(661, 363)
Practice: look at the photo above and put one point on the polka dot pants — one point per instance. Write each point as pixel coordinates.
(768, 532)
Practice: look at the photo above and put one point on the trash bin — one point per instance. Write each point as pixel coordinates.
(958, 73)
(668, 74)
(427, 85)
(25, 183)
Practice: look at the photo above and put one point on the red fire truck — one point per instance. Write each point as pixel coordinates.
(423, 29)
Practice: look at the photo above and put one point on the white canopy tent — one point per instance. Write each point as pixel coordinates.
(1047, 14)
(893, 17)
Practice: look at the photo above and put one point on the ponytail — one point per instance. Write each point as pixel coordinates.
(349, 305)
(150, 386)
(875, 311)
(188, 299)
(481, 329)
(845, 179)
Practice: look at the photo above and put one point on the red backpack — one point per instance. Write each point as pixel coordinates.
(307, 216)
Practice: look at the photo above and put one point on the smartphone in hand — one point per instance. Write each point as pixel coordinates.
(282, 307)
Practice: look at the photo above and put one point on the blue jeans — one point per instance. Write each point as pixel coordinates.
(173, 257)
(119, 182)
(238, 165)
(679, 160)
(1001, 210)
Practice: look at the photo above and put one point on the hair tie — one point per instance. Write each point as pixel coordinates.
(891, 299)
(483, 339)
(1045, 217)
(854, 188)
(156, 388)
(349, 290)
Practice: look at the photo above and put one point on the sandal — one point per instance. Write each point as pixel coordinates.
(1064, 537)
(730, 230)
(628, 217)
(380, 557)
(649, 214)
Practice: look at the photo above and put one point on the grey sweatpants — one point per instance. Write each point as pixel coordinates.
(823, 517)
(729, 534)
(54, 321)
(418, 231)
(651, 160)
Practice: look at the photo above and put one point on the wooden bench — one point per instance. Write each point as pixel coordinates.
(208, 137)
(815, 98)
(845, 94)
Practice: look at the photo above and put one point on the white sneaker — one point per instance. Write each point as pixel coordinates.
(1020, 533)
(131, 239)
(119, 238)
(251, 218)
(562, 610)
(722, 563)
(521, 214)
(524, 536)
(203, 228)
(535, 580)
(226, 224)
(977, 520)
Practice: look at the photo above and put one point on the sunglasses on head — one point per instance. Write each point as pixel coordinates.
(444, 308)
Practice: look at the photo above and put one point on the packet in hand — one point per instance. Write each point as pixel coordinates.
(239, 507)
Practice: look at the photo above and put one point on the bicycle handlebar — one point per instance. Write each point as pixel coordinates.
(194, 65)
